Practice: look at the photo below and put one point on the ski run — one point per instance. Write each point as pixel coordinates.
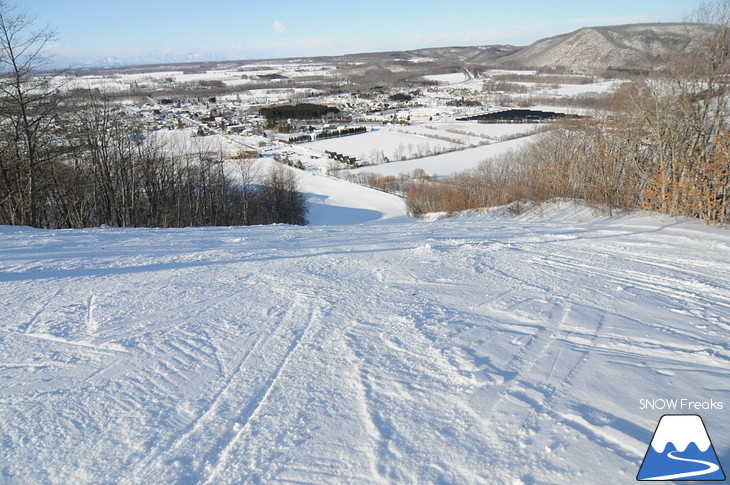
(479, 349)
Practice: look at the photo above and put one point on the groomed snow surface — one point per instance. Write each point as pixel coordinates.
(480, 349)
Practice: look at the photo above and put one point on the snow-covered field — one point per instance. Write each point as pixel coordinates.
(482, 349)
(233, 74)
(440, 149)
(447, 164)
(448, 79)
(390, 143)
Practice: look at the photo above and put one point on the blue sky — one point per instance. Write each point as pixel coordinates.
(251, 29)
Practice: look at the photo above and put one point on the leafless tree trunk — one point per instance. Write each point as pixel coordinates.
(249, 176)
(28, 102)
(281, 198)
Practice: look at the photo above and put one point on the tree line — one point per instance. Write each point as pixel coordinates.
(355, 130)
(71, 161)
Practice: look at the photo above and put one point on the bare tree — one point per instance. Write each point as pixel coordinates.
(680, 115)
(27, 106)
(281, 199)
(101, 151)
(248, 173)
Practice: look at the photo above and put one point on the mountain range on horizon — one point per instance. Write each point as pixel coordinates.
(590, 49)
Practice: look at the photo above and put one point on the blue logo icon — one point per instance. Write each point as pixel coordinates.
(681, 450)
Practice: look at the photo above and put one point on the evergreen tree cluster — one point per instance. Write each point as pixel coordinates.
(302, 111)
(300, 139)
(343, 132)
(401, 97)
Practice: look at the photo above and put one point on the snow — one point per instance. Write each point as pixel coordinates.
(488, 130)
(186, 142)
(441, 148)
(447, 164)
(476, 349)
(232, 74)
(592, 88)
(389, 142)
(452, 78)
(336, 202)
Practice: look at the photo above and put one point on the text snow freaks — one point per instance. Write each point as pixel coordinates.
(680, 405)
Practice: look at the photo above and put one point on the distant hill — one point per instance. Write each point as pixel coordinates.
(590, 49)
(122, 62)
(633, 47)
(471, 54)
(624, 47)
(380, 65)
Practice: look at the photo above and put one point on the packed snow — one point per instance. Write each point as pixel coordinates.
(485, 348)
(334, 202)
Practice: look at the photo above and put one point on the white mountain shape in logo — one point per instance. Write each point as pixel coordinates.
(681, 430)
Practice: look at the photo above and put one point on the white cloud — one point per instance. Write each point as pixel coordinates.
(278, 26)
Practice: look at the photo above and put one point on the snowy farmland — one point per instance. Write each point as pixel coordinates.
(482, 349)
(447, 164)
(441, 148)
(384, 144)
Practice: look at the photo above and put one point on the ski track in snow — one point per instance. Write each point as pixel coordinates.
(475, 350)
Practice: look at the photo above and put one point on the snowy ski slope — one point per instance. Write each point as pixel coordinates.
(481, 349)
